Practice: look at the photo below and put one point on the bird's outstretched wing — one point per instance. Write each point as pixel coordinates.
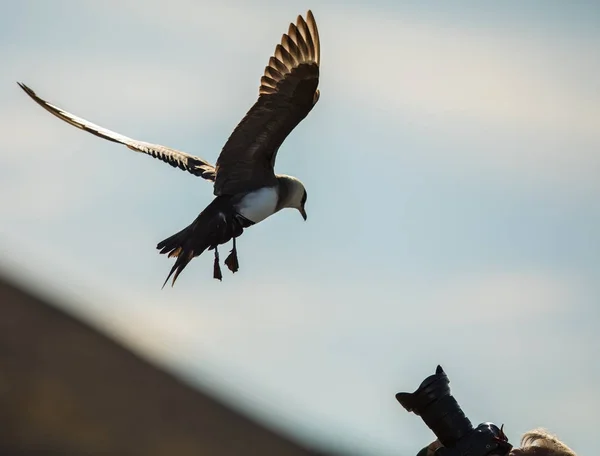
(288, 91)
(175, 158)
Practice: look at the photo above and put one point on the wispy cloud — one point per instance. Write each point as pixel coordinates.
(514, 101)
(473, 73)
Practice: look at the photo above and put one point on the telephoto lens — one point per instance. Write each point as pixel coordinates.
(436, 406)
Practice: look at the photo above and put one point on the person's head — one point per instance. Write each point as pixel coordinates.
(537, 442)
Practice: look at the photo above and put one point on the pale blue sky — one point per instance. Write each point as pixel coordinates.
(452, 168)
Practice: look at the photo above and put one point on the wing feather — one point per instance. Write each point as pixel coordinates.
(297, 38)
(175, 158)
(287, 93)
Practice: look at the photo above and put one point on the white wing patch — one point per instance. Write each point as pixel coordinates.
(259, 204)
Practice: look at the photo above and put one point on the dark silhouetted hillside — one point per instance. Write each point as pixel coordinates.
(66, 389)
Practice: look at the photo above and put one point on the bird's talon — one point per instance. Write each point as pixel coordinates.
(217, 267)
(232, 262)
(217, 270)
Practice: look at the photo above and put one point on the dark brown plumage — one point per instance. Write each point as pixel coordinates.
(245, 182)
(217, 224)
(287, 93)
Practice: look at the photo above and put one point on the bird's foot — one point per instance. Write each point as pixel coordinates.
(217, 268)
(232, 261)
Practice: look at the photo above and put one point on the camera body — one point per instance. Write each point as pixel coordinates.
(436, 406)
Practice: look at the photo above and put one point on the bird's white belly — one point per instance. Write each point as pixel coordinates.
(259, 204)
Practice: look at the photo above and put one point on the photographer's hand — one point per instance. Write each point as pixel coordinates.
(430, 449)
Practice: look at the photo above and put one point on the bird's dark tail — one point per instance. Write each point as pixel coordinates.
(174, 246)
(215, 225)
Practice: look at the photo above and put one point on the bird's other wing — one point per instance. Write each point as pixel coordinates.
(175, 158)
(288, 91)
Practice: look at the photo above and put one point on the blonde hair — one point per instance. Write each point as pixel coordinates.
(539, 441)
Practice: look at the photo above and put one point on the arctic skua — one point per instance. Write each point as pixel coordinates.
(246, 188)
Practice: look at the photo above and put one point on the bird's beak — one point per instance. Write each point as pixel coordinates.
(303, 212)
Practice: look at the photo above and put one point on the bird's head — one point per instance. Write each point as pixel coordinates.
(293, 194)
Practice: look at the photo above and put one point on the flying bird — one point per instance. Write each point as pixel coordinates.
(246, 188)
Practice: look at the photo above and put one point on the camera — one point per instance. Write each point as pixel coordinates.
(436, 406)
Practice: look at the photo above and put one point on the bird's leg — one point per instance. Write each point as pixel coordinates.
(217, 268)
(232, 260)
